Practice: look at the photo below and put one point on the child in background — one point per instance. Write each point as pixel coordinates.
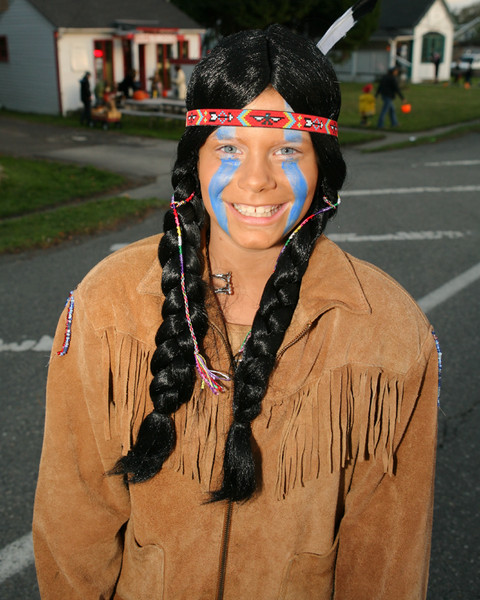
(366, 104)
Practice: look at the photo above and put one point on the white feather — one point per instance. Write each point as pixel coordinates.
(337, 31)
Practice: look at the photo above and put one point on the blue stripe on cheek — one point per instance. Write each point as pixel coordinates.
(217, 184)
(300, 190)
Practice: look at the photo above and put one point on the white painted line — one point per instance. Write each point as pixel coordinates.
(399, 236)
(449, 289)
(115, 247)
(44, 344)
(453, 163)
(412, 190)
(16, 556)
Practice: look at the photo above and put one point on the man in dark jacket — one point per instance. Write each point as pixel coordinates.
(388, 89)
(86, 98)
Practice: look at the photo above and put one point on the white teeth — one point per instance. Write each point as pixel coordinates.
(256, 211)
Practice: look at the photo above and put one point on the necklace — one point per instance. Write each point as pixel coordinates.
(227, 278)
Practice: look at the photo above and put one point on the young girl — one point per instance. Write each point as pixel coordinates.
(366, 104)
(276, 438)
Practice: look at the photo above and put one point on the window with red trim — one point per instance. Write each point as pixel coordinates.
(3, 48)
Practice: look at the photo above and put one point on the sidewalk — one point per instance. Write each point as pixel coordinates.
(396, 137)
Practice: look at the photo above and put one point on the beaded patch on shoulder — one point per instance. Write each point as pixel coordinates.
(439, 352)
(68, 325)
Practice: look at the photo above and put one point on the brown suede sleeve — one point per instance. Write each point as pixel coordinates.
(385, 533)
(79, 511)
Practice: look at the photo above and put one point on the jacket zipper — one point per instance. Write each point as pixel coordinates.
(224, 550)
(228, 512)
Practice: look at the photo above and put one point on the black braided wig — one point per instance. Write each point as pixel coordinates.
(235, 73)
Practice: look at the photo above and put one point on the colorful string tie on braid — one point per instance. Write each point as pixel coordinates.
(68, 325)
(209, 376)
(330, 206)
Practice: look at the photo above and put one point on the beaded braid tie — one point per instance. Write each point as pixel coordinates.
(209, 376)
(439, 353)
(68, 326)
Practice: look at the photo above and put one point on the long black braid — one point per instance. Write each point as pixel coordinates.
(235, 73)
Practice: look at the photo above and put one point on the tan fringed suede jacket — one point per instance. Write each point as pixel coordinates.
(345, 444)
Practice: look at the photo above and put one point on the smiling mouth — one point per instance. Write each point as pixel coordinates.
(257, 211)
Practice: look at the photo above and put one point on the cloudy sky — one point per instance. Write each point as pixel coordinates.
(458, 4)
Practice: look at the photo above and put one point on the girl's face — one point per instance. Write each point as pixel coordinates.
(257, 184)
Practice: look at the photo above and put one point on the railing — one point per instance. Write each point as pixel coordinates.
(155, 107)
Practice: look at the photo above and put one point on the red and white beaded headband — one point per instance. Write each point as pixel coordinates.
(272, 119)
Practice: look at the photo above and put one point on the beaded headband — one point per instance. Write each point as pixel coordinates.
(272, 119)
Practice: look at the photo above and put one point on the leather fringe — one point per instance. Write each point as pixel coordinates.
(128, 362)
(349, 413)
(201, 435)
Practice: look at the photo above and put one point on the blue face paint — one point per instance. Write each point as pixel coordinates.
(223, 133)
(293, 136)
(221, 179)
(300, 190)
(297, 181)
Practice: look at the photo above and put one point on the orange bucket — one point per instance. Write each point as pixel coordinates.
(406, 108)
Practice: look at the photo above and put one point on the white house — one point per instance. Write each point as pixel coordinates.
(409, 33)
(47, 45)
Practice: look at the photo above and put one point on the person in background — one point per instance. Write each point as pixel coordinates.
(180, 82)
(129, 84)
(366, 104)
(467, 77)
(86, 98)
(388, 89)
(99, 91)
(436, 59)
(156, 87)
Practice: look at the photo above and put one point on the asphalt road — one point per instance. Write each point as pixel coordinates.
(415, 213)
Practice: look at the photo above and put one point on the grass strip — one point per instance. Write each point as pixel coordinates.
(433, 106)
(42, 230)
(146, 126)
(29, 185)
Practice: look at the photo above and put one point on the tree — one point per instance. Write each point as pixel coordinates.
(470, 15)
(226, 17)
(310, 17)
(325, 12)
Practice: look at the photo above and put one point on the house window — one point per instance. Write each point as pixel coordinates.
(433, 43)
(3, 48)
(182, 50)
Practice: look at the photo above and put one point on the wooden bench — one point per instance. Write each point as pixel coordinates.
(151, 113)
(155, 107)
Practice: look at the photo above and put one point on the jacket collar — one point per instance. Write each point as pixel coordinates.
(330, 281)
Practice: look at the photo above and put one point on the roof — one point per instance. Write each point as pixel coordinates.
(403, 15)
(105, 13)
